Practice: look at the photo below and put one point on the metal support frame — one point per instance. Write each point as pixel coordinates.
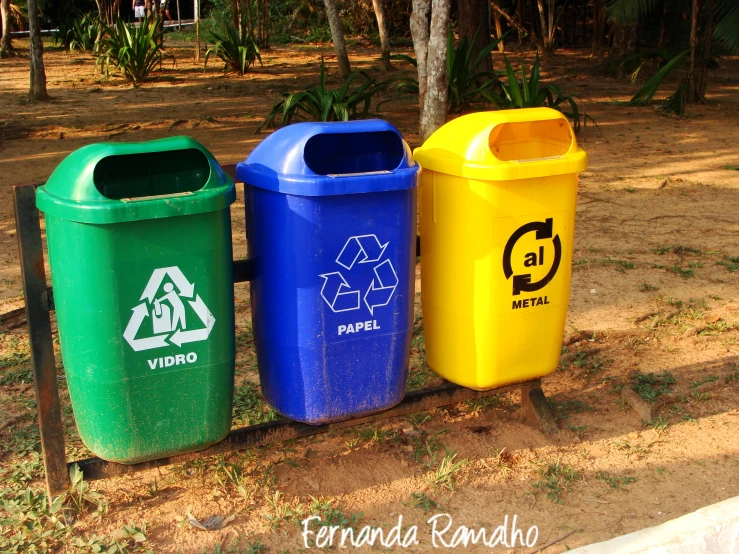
(40, 302)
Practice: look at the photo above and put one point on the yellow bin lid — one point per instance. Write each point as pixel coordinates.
(504, 145)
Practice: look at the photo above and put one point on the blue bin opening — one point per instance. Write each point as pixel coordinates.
(347, 153)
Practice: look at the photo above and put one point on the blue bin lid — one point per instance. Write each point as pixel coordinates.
(323, 159)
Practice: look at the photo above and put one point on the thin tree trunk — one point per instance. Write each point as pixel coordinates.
(197, 29)
(379, 6)
(435, 106)
(702, 83)
(337, 34)
(498, 30)
(6, 45)
(265, 23)
(599, 18)
(235, 19)
(420, 35)
(543, 21)
(512, 21)
(692, 96)
(474, 19)
(37, 89)
(179, 17)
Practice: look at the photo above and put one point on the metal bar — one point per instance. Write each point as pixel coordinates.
(284, 429)
(33, 273)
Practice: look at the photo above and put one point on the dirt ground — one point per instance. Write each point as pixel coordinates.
(655, 291)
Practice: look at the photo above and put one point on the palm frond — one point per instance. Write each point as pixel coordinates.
(629, 11)
(645, 94)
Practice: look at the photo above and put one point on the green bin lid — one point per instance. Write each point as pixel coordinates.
(130, 181)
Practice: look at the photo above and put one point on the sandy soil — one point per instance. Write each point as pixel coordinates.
(657, 224)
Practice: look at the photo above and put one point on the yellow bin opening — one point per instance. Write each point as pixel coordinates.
(497, 216)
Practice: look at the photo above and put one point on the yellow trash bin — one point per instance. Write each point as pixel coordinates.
(497, 216)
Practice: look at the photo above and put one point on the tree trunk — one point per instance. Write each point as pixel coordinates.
(624, 45)
(692, 95)
(196, 12)
(544, 29)
(474, 17)
(498, 30)
(435, 106)
(702, 80)
(235, 11)
(179, 16)
(37, 89)
(337, 34)
(420, 35)
(6, 44)
(379, 6)
(599, 22)
(265, 23)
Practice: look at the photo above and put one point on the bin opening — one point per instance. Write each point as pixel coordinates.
(352, 153)
(151, 175)
(530, 140)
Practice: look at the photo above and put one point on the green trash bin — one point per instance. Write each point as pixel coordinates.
(139, 239)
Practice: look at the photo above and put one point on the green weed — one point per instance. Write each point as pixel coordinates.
(421, 501)
(646, 287)
(249, 408)
(683, 272)
(556, 479)
(649, 387)
(444, 474)
(615, 481)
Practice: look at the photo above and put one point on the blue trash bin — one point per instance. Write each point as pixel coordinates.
(331, 231)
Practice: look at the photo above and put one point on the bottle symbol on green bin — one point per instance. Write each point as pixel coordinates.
(161, 318)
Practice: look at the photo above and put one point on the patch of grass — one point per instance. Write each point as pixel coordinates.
(629, 189)
(563, 410)
(376, 434)
(683, 272)
(646, 287)
(556, 479)
(586, 362)
(615, 481)
(707, 379)
(426, 446)
(332, 514)
(444, 474)
(649, 387)
(730, 262)
(579, 430)
(476, 405)
(249, 408)
(661, 250)
(421, 501)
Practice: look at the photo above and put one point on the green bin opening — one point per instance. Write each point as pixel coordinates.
(155, 174)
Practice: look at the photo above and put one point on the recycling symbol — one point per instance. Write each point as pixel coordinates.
(358, 250)
(165, 309)
(544, 230)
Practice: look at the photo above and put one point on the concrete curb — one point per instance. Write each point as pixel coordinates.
(713, 529)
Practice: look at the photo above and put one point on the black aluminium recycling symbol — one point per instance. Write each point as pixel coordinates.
(544, 230)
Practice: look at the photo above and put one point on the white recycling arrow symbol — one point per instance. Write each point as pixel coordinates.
(360, 249)
(167, 313)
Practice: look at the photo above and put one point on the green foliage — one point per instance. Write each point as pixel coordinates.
(134, 50)
(652, 385)
(615, 481)
(467, 85)
(556, 479)
(529, 93)
(645, 94)
(239, 51)
(84, 32)
(323, 104)
(249, 407)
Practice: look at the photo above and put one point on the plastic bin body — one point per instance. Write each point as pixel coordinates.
(497, 214)
(145, 381)
(334, 267)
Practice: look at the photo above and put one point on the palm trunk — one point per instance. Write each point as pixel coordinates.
(37, 89)
(435, 106)
(379, 6)
(265, 23)
(6, 44)
(420, 35)
(337, 34)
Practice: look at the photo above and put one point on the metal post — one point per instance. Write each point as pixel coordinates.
(197, 30)
(39, 332)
